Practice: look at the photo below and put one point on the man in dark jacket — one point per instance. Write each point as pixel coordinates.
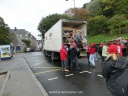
(116, 73)
(73, 56)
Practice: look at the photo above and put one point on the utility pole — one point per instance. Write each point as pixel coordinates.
(74, 9)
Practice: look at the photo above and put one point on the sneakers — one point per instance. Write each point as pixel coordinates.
(66, 70)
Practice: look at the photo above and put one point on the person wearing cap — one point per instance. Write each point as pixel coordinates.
(92, 55)
(73, 56)
(115, 72)
(63, 57)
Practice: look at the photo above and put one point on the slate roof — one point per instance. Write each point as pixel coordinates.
(23, 32)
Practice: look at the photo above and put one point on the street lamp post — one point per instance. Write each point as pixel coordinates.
(74, 9)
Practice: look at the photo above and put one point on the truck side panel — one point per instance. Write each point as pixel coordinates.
(53, 38)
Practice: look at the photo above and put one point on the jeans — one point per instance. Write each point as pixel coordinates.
(88, 55)
(64, 64)
(91, 59)
(96, 56)
(74, 60)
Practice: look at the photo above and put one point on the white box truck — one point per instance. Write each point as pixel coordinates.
(62, 33)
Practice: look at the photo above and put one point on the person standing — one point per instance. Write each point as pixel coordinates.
(115, 72)
(100, 51)
(63, 56)
(92, 55)
(87, 47)
(96, 51)
(73, 56)
(104, 52)
(121, 49)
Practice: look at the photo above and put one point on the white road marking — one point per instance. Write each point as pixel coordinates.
(68, 75)
(47, 67)
(53, 78)
(48, 71)
(99, 75)
(85, 71)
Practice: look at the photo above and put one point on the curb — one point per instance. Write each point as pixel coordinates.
(35, 79)
(4, 84)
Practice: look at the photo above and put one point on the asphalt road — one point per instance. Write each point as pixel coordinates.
(87, 81)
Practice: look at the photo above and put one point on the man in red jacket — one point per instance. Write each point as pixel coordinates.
(63, 57)
(92, 55)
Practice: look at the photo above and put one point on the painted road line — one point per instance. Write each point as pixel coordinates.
(53, 78)
(48, 71)
(99, 75)
(47, 67)
(85, 72)
(38, 63)
(68, 75)
(32, 58)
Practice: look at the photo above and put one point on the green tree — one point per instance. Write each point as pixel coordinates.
(81, 13)
(94, 7)
(97, 25)
(122, 8)
(27, 42)
(5, 35)
(116, 24)
(47, 22)
(109, 7)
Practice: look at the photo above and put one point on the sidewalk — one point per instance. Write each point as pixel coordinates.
(19, 81)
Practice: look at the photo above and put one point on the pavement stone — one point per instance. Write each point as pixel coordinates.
(21, 81)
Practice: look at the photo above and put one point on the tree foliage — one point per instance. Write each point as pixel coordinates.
(78, 13)
(5, 34)
(97, 25)
(94, 7)
(116, 23)
(47, 22)
(27, 42)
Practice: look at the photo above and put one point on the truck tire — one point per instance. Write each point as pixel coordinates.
(45, 54)
(52, 56)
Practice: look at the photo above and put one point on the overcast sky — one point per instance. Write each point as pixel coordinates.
(26, 14)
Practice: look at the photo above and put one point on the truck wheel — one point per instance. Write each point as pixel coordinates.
(45, 53)
(52, 56)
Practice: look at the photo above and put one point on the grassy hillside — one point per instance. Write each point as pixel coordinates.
(104, 37)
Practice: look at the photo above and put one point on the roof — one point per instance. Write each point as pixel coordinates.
(23, 32)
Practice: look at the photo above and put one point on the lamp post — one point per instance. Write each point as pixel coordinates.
(74, 9)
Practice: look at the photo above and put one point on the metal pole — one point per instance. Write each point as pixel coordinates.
(74, 9)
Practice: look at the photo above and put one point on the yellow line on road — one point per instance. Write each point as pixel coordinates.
(38, 63)
(48, 71)
(46, 67)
